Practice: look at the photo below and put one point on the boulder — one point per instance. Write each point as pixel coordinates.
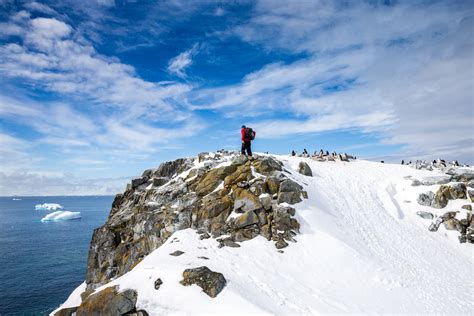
(176, 253)
(304, 169)
(267, 165)
(464, 177)
(425, 199)
(281, 244)
(451, 224)
(467, 207)
(290, 192)
(266, 201)
(108, 302)
(290, 186)
(273, 184)
(425, 215)
(242, 173)
(416, 183)
(246, 219)
(158, 283)
(213, 205)
(245, 201)
(213, 178)
(212, 283)
(446, 192)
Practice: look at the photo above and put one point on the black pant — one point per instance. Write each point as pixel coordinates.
(246, 147)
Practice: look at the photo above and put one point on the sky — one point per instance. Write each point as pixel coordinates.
(93, 92)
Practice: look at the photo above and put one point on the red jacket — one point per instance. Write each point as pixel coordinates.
(242, 131)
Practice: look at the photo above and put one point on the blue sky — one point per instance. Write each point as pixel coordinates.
(94, 92)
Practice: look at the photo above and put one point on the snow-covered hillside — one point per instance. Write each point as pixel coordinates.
(361, 249)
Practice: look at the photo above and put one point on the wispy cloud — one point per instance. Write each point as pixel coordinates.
(178, 64)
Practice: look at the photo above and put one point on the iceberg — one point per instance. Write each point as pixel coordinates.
(61, 216)
(48, 207)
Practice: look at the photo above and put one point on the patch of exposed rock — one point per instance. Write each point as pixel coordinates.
(199, 193)
(443, 195)
(212, 283)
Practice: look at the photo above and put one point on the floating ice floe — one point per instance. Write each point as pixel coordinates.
(61, 216)
(14, 199)
(48, 207)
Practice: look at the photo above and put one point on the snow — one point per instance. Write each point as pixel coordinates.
(61, 216)
(362, 249)
(48, 207)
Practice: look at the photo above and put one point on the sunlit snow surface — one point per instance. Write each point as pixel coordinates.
(61, 216)
(48, 207)
(362, 249)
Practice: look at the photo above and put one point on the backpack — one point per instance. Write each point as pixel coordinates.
(249, 133)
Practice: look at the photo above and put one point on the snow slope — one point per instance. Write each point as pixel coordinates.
(361, 249)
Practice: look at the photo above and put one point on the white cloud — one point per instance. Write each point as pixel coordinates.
(178, 64)
(55, 57)
(407, 67)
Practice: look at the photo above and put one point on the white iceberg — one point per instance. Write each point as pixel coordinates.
(48, 207)
(61, 216)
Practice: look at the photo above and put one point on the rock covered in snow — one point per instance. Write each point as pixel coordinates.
(200, 194)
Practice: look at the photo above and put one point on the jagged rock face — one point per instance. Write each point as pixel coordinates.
(186, 194)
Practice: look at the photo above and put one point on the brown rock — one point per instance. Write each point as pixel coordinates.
(212, 283)
(245, 200)
(108, 302)
(246, 219)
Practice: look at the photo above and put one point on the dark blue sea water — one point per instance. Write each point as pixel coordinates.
(41, 263)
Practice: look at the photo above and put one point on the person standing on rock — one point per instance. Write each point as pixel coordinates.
(248, 135)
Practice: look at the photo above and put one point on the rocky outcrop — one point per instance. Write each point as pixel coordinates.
(109, 301)
(212, 283)
(443, 195)
(186, 194)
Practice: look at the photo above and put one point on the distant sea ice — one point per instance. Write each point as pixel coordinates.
(61, 216)
(48, 207)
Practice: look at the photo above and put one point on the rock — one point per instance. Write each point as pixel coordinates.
(467, 207)
(212, 283)
(245, 200)
(176, 253)
(68, 311)
(470, 184)
(451, 224)
(273, 184)
(266, 201)
(289, 197)
(204, 236)
(290, 186)
(416, 183)
(137, 182)
(290, 192)
(281, 244)
(425, 198)
(242, 174)
(246, 233)
(227, 242)
(108, 302)
(446, 192)
(212, 179)
(471, 195)
(304, 169)
(464, 177)
(213, 205)
(158, 283)
(267, 165)
(159, 181)
(425, 215)
(248, 218)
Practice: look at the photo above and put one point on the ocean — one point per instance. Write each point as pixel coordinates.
(41, 263)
